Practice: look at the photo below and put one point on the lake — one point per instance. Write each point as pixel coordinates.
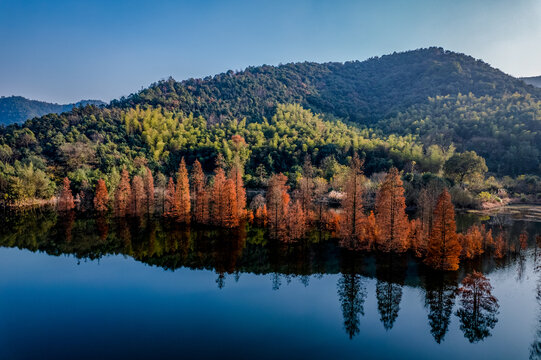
(77, 287)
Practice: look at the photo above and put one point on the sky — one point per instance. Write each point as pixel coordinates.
(67, 50)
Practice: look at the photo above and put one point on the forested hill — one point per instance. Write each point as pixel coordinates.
(410, 110)
(533, 80)
(16, 109)
(360, 91)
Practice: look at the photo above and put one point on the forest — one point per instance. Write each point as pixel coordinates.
(346, 147)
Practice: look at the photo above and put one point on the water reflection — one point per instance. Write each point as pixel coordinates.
(229, 254)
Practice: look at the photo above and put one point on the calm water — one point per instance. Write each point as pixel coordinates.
(81, 288)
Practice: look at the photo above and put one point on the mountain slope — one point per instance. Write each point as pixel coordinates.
(412, 107)
(533, 80)
(16, 109)
(359, 91)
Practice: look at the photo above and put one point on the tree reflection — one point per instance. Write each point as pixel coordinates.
(352, 295)
(439, 298)
(390, 273)
(478, 307)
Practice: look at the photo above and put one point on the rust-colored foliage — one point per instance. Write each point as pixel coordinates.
(169, 200)
(297, 222)
(230, 210)
(200, 196)
(416, 239)
(149, 191)
(260, 216)
(217, 199)
(472, 242)
(101, 197)
(478, 307)
(499, 247)
(352, 229)
(182, 194)
(523, 240)
(443, 247)
(65, 199)
(123, 195)
(391, 214)
(138, 196)
(236, 176)
(277, 206)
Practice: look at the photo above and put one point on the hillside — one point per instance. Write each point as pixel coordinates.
(17, 109)
(533, 80)
(362, 92)
(418, 106)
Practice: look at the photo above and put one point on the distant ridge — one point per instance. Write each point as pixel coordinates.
(532, 80)
(17, 109)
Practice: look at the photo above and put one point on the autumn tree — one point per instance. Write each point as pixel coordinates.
(443, 247)
(306, 185)
(138, 196)
(277, 206)
(200, 195)
(101, 197)
(428, 196)
(65, 199)
(149, 191)
(169, 199)
(391, 214)
(123, 194)
(182, 194)
(297, 225)
(478, 307)
(217, 198)
(235, 175)
(352, 229)
(471, 242)
(416, 238)
(230, 217)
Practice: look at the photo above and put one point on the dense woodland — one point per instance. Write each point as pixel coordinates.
(433, 130)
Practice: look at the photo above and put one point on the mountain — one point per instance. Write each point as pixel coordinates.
(411, 107)
(16, 109)
(533, 80)
(360, 91)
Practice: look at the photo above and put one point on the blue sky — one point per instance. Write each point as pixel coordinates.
(64, 51)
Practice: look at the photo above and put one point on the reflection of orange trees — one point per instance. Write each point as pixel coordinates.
(440, 292)
(478, 307)
(352, 295)
(390, 274)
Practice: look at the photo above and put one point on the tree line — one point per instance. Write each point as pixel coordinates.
(290, 214)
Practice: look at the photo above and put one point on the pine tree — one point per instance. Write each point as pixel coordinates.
(149, 191)
(65, 199)
(138, 196)
(443, 247)
(169, 200)
(353, 220)
(277, 206)
(391, 214)
(182, 195)
(123, 195)
(101, 197)
(200, 196)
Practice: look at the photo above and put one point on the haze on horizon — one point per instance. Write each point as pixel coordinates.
(63, 51)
